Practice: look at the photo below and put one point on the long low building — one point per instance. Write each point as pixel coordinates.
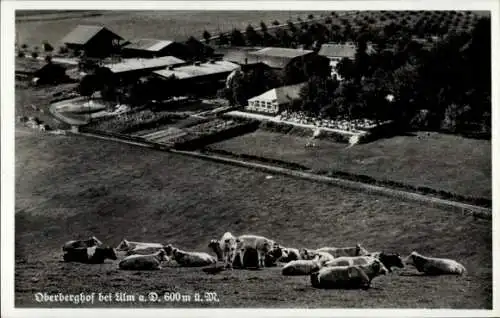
(273, 101)
(135, 68)
(199, 71)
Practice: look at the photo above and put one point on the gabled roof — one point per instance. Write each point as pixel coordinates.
(190, 71)
(31, 65)
(341, 50)
(82, 34)
(283, 94)
(281, 52)
(129, 65)
(152, 45)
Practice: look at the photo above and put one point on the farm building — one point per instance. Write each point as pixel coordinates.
(40, 71)
(273, 101)
(132, 69)
(197, 50)
(151, 48)
(335, 52)
(199, 77)
(279, 58)
(95, 41)
(240, 56)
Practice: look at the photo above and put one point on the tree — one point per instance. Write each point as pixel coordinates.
(207, 36)
(87, 86)
(276, 22)
(310, 16)
(317, 94)
(222, 40)
(253, 38)
(47, 47)
(236, 38)
(246, 85)
(345, 68)
(263, 26)
(48, 59)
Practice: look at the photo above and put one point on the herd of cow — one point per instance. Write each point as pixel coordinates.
(328, 267)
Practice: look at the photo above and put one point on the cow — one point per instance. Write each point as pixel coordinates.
(301, 267)
(190, 259)
(289, 254)
(92, 241)
(357, 250)
(126, 245)
(229, 245)
(347, 277)
(144, 262)
(389, 260)
(435, 266)
(90, 255)
(262, 244)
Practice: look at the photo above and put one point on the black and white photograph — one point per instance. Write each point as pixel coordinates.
(248, 155)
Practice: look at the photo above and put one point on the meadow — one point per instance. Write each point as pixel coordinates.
(167, 25)
(438, 161)
(72, 187)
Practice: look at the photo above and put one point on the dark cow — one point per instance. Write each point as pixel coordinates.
(90, 255)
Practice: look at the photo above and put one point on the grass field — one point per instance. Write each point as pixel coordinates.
(442, 162)
(68, 186)
(177, 25)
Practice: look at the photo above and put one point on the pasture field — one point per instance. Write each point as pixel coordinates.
(71, 186)
(438, 161)
(176, 25)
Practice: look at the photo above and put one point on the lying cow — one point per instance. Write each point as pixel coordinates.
(389, 260)
(129, 246)
(190, 259)
(308, 254)
(347, 277)
(302, 267)
(92, 241)
(144, 262)
(357, 250)
(435, 266)
(90, 255)
(289, 254)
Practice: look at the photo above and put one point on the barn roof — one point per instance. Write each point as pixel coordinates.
(129, 65)
(153, 45)
(29, 65)
(281, 52)
(82, 34)
(283, 94)
(191, 71)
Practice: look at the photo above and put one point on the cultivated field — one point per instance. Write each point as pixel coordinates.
(441, 162)
(178, 25)
(68, 186)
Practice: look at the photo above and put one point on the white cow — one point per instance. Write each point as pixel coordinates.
(301, 267)
(359, 276)
(435, 266)
(144, 262)
(262, 244)
(229, 246)
(190, 259)
(126, 245)
(357, 250)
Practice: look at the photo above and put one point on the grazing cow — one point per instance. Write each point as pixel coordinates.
(129, 245)
(289, 254)
(90, 255)
(190, 259)
(144, 262)
(92, 241)
(229, 246)
(357, 250)
(435, 266)
(359, 276)
(262, 244)
(301, 267)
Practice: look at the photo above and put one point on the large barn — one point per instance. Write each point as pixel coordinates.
(39, 71)
(132, 69)
(273, 101)
(279, 58)
(199, 77)
(95, 41)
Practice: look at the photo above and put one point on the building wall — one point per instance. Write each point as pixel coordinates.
(263, 106)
